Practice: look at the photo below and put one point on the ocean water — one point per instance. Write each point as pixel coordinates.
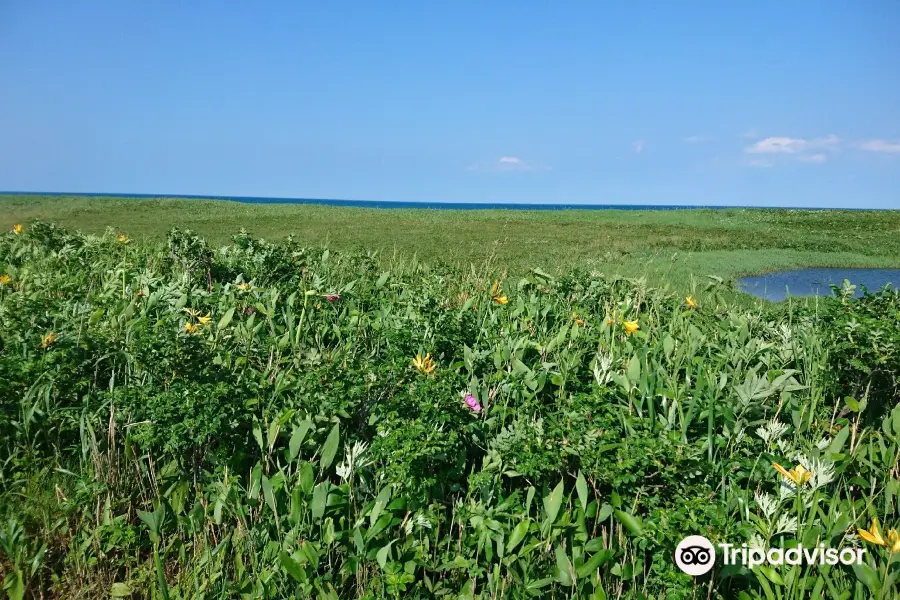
(779, 285)
(388, 203)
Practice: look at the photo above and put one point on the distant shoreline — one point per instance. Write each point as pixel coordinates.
(398, 204)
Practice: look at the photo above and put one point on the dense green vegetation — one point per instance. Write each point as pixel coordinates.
(666, 246)
(251, 421)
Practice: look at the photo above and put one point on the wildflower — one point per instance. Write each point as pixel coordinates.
(424, 365)
(691, 302)
(496, 294)
(123, 239)
(192, 312)
(630, 327)
(5, 279)
(799, 475)
(332, 297)
(204, 320)
(243, 286)
(472, 403)
(578, 320)
(873, 534)
(17, 228)
(893, 540)
(48, 340)
(250, 310)
(190, 328)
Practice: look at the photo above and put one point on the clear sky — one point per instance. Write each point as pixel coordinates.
(754, 103)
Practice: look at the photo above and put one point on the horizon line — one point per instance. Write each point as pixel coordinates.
(426, 204)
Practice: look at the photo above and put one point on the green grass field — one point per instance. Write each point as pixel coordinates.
(668, 246)
(275, 419)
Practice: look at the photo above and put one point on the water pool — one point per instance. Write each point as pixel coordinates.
(815, 281)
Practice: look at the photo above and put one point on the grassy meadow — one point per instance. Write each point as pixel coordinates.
(667, 246)
(492, 405)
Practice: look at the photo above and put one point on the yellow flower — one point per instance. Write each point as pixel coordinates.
(873, 534)
(48, 340)
(17, 229)
(691, 302)
(204, 320)
(190, 328)
(496, 294)
(243, 286)
(424, 365)
(123, 239)
(630, 327)
(192, 312)
(798, 474)
(577, 319)
(893, 540)
(5, 279)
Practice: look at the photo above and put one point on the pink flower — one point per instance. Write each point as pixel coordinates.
(472, 403)
(332, 297)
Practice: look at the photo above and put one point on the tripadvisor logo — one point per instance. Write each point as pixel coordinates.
(696, 555)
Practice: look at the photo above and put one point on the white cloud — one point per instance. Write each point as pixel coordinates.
(509, 163)
(783, 148)
(787, 145)
(638, 146)
(879, 146)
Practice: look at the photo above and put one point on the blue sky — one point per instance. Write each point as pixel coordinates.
(753, 103)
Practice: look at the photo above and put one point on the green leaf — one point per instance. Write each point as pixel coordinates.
(538, 584)
(604, 513)
(517, 535)
(595, 562)
(307, 478)
(269, 494)
(320, 496)
(634, 369)
(297, 437)
(552, 502)
(381, 280)
(14, 585)
(563, 569)
(384, 497)
(384, 553)
(581, 488)
(292, 567)
(837, 444)
(329, 449)
(226, 319)
(631, 522)
(668, 344)
(868, 577)
(771, 574)
(120, 590)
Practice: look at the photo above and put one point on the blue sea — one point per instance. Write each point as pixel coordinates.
(428, 205)
(390, 203)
